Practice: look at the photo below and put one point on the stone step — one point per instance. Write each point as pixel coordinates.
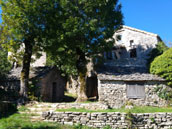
(36, 113)
(36, 118)
(41, 109)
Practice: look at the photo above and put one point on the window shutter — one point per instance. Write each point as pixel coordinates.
(135, 91)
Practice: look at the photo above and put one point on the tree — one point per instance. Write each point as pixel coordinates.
(160, 49)
(23, 27)
(162, 66)
(4, 64)
(86, 30)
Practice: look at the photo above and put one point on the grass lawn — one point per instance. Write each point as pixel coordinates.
(22, 121)
(146, 109)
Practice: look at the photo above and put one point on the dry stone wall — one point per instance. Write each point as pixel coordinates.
(112, 119)
(114, 94)
(90, 106)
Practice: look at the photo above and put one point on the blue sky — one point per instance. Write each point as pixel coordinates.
(150, 15)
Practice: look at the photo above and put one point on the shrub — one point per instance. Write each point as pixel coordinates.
(160, 49)
(162, 66)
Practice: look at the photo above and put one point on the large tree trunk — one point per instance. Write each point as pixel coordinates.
(24, 78)
(82, 88)
(81, 66)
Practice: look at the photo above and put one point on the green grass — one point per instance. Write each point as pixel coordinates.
(23, 109)
(22, 121)
(146, 109)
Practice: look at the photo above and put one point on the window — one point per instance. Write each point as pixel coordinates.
(133, 53)
(118, 37)
(135, 91)
(131, 43)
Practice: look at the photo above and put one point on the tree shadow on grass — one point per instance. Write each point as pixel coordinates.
(69, 99)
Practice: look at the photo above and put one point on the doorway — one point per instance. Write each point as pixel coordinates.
(91, 90)
(54, 91)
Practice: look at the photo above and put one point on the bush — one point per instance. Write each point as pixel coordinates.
(162, 66)
(160, 49)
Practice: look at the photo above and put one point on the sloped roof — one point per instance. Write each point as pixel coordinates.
(35, 72)
(126, 74)
(138, 30)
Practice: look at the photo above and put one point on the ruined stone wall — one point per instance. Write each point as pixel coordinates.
(113, 119)
(40, 61)
(114, 94)
(46, 84)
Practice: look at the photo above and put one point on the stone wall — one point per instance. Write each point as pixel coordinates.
(114, 94)
(144, 41)
(131, 39)
(90, 106)
(52, 86)
(113, 119)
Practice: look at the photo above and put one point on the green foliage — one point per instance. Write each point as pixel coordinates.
(152, 119)
(5, 65)
(129, 118)
(107, 127)
(164, 93)
(84, 31)
(162, 66)
(160, 49)
(79, 126)
(33, 90)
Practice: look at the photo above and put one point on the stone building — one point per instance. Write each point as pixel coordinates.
(120, 86)
(48, 83)
(132, 47)
(124, 76)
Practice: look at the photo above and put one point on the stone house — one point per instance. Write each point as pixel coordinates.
(120, 86)
(124, 76)
(132, 47)
(48, 82)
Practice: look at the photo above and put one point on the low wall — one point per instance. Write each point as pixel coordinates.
(112, 119)
(90, 106)
(7, 108)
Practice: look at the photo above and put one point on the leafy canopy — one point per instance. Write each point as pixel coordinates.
(4, 64)
(85, 30)
(160, 49)
(23, 20)
(162, 66)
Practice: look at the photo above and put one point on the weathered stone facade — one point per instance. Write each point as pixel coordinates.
(130, 45)
(114, 94)
(113, 119)
(124, 76)
(52, 86)
(48, 83)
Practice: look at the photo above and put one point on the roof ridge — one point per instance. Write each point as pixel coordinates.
(138, 30)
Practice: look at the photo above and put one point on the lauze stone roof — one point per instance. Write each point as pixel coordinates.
(126, 74)
(35, 72)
